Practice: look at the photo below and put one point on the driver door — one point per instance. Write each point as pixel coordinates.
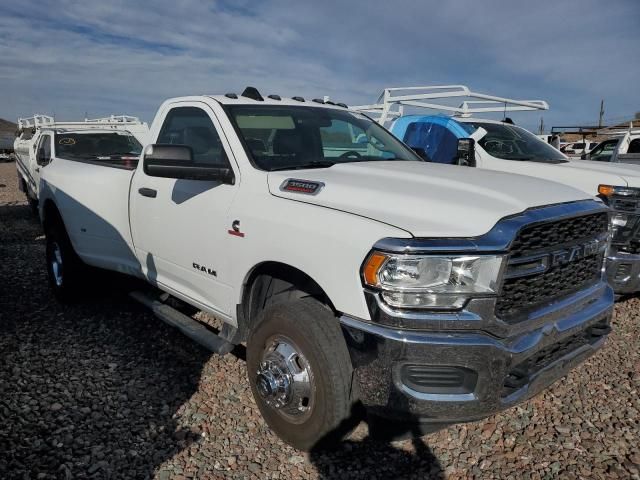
(179, 226)
(43, 158)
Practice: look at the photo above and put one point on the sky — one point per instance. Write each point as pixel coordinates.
(71, 58)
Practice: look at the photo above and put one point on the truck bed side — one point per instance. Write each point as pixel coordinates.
(93, 200)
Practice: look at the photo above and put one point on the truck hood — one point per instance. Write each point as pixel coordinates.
(583, 174)
(426, 200)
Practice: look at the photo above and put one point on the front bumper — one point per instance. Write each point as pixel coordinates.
(495, 373)
(623, 271)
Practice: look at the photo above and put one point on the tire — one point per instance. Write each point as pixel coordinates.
(315, 335)
(64, 268)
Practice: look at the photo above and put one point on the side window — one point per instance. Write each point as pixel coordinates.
(440, 145)
(192, 126)
(634, 146)
(44, 150)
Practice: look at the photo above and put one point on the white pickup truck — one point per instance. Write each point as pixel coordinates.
(354, 271)
(623, 148)
(502, 146)
(39, 138)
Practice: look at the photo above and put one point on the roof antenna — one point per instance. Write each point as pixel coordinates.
(252, 93)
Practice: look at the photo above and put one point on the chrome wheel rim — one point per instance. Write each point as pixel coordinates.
(285, 381)
(56, 264)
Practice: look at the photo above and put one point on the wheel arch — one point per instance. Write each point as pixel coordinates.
(51, 215)
(272, 282)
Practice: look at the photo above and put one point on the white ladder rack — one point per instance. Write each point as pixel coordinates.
(391, 103)
(45, 121)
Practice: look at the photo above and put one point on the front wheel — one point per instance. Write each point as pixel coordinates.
(300, 373)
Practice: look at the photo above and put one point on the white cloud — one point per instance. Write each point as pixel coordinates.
(122, 56)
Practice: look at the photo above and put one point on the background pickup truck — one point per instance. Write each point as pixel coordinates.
(624, 148)
(39, 138)
(502, 146)
(356, 273)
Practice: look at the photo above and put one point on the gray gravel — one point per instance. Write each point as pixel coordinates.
(105, 390)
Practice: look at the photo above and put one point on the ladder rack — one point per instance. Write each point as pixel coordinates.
(35, 121)
(391, 103)
(112, 121)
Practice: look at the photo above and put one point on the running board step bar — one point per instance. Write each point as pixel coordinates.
(187, 325)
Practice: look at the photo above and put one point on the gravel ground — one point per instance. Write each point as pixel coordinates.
(105, 390)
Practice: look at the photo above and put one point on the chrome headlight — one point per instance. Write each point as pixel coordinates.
(432, 281)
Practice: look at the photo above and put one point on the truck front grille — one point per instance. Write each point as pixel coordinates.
(521, 295)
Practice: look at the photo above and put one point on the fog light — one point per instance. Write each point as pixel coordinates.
(439, 379)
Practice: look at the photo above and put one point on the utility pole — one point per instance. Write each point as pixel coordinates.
(541, 129)
(601, 113)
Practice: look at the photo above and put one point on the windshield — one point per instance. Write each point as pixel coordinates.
(97, 146)
(514, 143)
(290, 137)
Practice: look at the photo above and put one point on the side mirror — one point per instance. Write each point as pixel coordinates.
(176, 161)
(466, 155)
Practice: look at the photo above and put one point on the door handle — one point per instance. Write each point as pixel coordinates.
(148, 192)
(37, 169)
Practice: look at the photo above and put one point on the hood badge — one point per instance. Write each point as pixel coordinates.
(296, 185)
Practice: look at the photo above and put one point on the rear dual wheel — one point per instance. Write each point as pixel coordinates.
(65, 269)
(300, 373)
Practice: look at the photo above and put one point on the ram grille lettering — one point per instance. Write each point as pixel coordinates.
(572, 254)
(535, 264)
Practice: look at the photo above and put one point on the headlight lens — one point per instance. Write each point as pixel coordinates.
(428, 281)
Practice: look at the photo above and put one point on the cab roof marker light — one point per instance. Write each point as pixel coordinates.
(231, 95)
(253, 94)
(298, 99)
(274, 97)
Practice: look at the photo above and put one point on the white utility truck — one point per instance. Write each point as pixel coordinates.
(624, 147)
(114, 138)
(356, 273)
(502, 146)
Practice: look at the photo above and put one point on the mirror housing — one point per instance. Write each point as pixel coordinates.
(466, 154)
(176, 161)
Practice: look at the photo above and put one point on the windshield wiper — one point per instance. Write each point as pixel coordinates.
(304, 166)
(549, 160)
